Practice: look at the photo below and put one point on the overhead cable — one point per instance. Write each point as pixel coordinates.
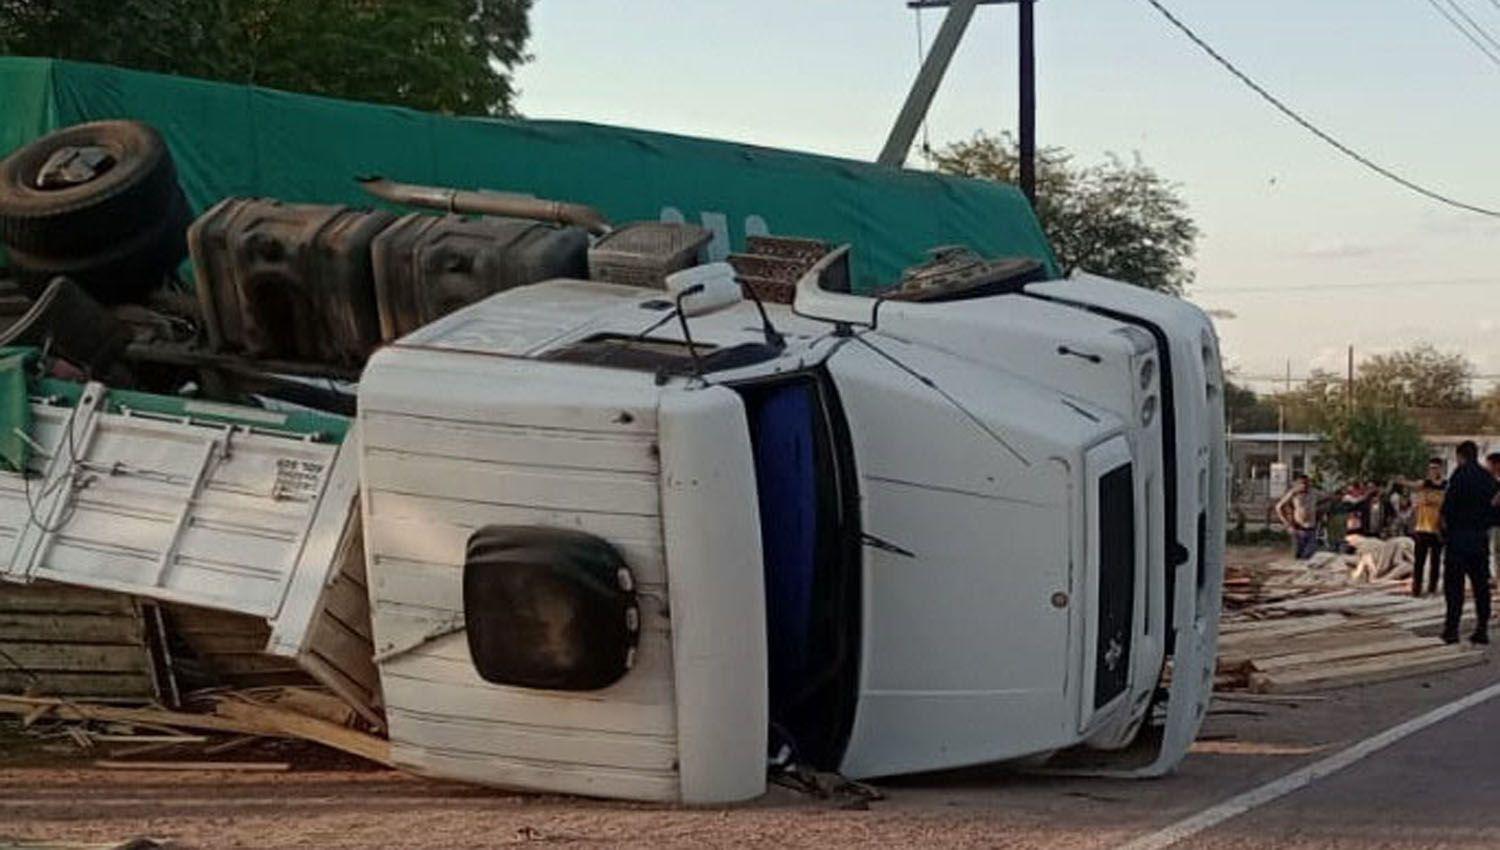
(1314, 129)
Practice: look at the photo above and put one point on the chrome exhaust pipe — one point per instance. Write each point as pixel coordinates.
(486, 203)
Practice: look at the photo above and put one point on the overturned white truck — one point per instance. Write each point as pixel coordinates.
(625, 532)
(627, 542)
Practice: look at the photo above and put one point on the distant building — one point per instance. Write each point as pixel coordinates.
(1252, 461)
(1255, 484)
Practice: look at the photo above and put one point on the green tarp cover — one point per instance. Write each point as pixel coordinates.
(15, 408)
(231, 140)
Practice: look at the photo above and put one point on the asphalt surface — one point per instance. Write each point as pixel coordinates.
(1434, 789)
(1439, 788)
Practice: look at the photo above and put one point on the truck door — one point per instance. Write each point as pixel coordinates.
(967, 567)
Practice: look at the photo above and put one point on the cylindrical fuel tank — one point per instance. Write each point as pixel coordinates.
(428, 266)
(288, 281)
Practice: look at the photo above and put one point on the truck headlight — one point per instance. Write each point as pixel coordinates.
(1148, 411)
(1148, 374)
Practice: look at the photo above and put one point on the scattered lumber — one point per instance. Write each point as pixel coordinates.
(247, 766)
(294, 713)
(1366, 670)
(1293, 627)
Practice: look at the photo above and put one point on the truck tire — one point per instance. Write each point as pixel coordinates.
(118, 274)
(121, 178)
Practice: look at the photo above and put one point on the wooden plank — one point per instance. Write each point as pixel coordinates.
(113, 685)
(1366, 671)
(49, 598)
(62, 657)
(1318, 599)
(363, 697)
(236, 766)
(314, 703)
(234, 664)
(207, 646)
(294, 725)
(1387, 647)
(348, 651)
(350, 604)
(191, 619)
(242, 718)
(70, 628)
(105, 738)
(1284, 627)
(1311, 642)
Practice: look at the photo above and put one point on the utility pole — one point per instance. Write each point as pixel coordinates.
(1349, 381)
(1281, 416)
(1026, 121)
(919, 98)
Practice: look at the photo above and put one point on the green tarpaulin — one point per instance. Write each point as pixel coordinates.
(240, 140)
(15, 408)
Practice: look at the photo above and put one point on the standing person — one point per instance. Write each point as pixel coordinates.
(1468, 512)
(1298, 511)
(1492, 460)
(1427, 526)
(1356, 505)
(1398, 511)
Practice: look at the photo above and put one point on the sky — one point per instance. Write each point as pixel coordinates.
(1308, 252)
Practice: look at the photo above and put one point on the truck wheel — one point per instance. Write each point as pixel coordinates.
(549, 608)
(117, 274)
(85, 189)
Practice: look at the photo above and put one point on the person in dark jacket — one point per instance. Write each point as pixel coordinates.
(1468, 513)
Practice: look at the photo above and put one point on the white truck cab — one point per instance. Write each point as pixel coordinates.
(630, 542)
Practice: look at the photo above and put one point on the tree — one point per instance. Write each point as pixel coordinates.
(1490, 406)
(1118, 218)
(1311, 405)
(1420, 376)
(1368, 442)
(1425, 382)
(1246, 411)
(441, 55)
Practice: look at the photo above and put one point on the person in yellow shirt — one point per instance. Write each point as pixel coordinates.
(1427, 526)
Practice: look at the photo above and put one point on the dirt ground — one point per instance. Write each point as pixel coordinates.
(325, 802)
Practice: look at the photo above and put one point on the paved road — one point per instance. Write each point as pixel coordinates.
(1440, 788)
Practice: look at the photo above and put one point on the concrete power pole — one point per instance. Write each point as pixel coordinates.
(1026, 121)
(1349, 381)
(919, 98)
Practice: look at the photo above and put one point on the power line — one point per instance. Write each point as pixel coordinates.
(1464, 31)
(1209, 291)
(1478, 27)
(1310, 127)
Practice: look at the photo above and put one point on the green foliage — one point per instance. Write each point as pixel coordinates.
(1118, 218)
(1489, 405)
(1420, 376)
(1421, 380)
(439, 55)
(1247, 411)
(1309, 408)
(1368, 442)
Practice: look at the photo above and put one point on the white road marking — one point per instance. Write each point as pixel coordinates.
(1276, 788)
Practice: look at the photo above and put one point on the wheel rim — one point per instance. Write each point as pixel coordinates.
(74, 165)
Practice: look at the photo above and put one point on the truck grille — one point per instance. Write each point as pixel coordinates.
(1116, 583)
